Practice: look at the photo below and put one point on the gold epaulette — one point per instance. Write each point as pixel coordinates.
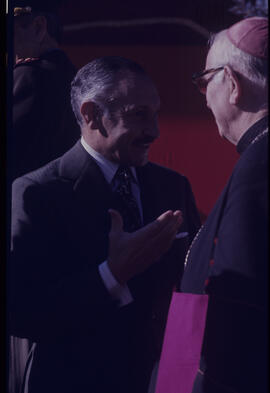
(26, 60)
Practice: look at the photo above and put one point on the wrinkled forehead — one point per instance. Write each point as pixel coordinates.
(212, 58)
(135, 89)
(217, 53)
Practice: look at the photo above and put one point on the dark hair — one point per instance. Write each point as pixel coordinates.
(96, 81)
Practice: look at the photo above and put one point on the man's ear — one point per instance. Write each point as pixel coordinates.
(235, 86)
(40, 27)
(89, 112)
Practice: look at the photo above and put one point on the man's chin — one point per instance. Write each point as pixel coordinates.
(134, 159)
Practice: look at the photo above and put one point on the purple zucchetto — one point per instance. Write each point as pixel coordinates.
(251, 36)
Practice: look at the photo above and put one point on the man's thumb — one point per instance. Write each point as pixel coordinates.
(116, 221)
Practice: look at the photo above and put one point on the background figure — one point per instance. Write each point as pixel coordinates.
(92, 297)
(229, 257)
(43, 123)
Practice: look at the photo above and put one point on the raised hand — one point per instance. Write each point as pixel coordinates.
(132, 253)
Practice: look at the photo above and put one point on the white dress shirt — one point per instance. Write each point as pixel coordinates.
(109, 168)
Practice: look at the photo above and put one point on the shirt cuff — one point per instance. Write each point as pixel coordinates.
(116, 290)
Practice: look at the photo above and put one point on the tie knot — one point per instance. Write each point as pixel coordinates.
(123, 173)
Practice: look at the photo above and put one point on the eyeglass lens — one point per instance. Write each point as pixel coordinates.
(202, 81)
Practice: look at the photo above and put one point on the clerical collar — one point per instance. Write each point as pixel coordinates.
(253, 132)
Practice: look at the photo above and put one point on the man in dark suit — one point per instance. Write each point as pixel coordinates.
(43, 123)
(94, 298)
(229, 257)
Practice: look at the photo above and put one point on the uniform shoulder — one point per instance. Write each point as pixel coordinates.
(50, 68)
(28, 62)
(26, 70)
(46, 60)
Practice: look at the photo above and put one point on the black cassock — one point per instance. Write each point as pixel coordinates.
(229, 261)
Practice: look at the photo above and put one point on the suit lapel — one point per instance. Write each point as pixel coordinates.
(90, 199)
(89, 183)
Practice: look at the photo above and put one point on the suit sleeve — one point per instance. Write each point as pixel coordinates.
(51, 288)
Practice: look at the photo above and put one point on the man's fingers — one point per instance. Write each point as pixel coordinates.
(159, 234)
(162, 240)
(169, 217)
(165, 217)
(156, 226)
(164, 222)
(178, 215)
(171, 224)
(132, 253)
(116, 221)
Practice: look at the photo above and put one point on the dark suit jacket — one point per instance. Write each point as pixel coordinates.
(60, 226)
(44, 126)
(229, 261)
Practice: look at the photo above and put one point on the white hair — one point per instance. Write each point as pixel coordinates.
(253, 68)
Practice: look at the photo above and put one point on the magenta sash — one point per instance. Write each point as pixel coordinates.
(182, 343)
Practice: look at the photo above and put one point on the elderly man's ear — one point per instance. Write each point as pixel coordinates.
(91, 114)
(235, 86)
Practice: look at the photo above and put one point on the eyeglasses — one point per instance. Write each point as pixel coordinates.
(201, 82)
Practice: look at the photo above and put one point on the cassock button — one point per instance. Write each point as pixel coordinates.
(206, 282)
(215, 240)
(211, 263)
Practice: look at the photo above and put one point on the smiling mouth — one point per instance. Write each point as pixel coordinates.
(143, 143)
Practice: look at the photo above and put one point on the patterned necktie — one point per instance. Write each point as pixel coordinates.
(125, 201)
